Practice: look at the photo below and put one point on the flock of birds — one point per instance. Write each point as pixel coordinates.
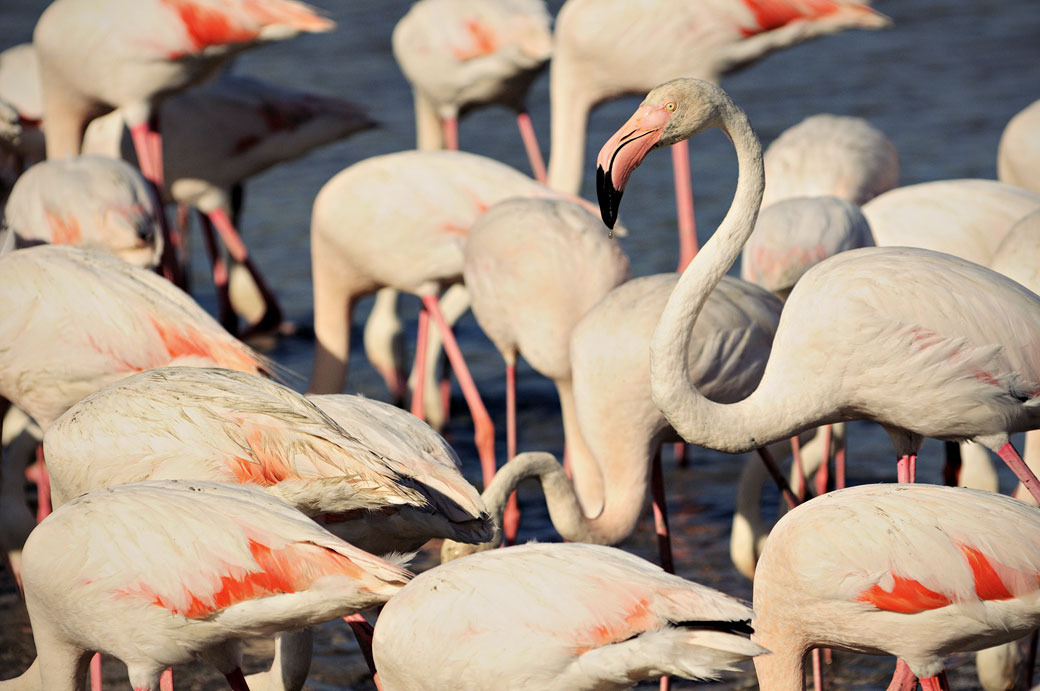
(188, 499)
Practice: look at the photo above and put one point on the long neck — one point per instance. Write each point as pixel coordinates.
(585, 471)
(783, 669)
(696, 419)
(569, 108)
(564, 509)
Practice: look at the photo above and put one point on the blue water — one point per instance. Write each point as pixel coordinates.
(941, 83)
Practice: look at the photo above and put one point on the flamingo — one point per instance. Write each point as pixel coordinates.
(830, 155)
(946, 577)
(160, 573)
(21, 139)
(463, 54)
(573, 616)
(96, 55)
(533, 268)
(218, 135)
(618, 428)
(424, 203)
(90, 201)
(604, 50)
(1019, 149)
(924, 343)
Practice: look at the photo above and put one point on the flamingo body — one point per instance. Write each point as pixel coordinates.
(159, 573)
(572, 616)
(77, 320)
(1019, 149)
(90, 201)
(916, 571)
(830, 155)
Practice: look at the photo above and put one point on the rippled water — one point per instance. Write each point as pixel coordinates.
(941, 83)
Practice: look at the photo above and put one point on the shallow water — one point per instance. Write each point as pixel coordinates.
(941, 83)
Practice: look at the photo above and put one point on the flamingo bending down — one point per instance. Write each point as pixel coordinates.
(424, 203)
(90, 201)
(828, 155)
(464, 54)
(97, 55)
(572, 616)
(158, 574)
(533, 268)
(924, 343)
(946, 577)
(218, 135)
(606, 49)
(1019, 149)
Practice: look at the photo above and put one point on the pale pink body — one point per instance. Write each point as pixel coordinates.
(916, 571)
(571, 616)
(1018, 154)
(157, 574)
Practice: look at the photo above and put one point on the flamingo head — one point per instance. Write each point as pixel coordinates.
(672, 111)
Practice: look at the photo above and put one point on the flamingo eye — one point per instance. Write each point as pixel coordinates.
(670, 106)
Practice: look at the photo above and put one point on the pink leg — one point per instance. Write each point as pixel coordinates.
(1020, 469)
(228, 319)
(823, 474)
(236, 680)
(363, 633)
(936, 683)
(446, 392)
(778, 477)
(451, 134)
(420, 364)
(534, 153)
(903, 679)
(43, 487)
(146, 143)
(817, 670)
(906, 468)
(839, 463)
(799, 469)
(95, 672)
(166, 680)
(233, 241)
(510, 411)
(679, 453)
(684, 203)
(664, 540)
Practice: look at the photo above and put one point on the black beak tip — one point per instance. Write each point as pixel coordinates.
(609, 198)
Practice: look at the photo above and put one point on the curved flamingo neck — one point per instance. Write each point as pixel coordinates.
(723, 427)
(783, 669)
(569, 108)
(564, 510)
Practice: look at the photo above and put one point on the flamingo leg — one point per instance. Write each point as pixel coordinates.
(363, 633)
(903, 679)
(664, 539)
(801, 483)
(679, 453)
(421, 339)
(817, 670)
(272, 318)
(936, 683)
(228, 319)
(166, 680)
(236, 680)
(534, 152)
(450, 128)
(823, 474)
(906, 468)
(510, 411)
(778, 477)
(95, 672)
(1020, 469)
(839, 464)
(43, 486)
(146, 143)
(684, 203)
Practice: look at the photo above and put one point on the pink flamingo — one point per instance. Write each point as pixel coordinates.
(606, 49)
(95, 55)
(464, 54)
(889, 352)
(947, 577)
(571, 616)
(158, 574)
(218, 135)
(91, 201)
(423, 203)
(828, 155)
(1019, 149)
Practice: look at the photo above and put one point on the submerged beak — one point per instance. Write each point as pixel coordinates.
(622, 153)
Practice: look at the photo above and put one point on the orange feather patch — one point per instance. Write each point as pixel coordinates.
(638, 619)
(483, 41)
(207, 26)
(288, 570)
(772, 14)
(265, 468)
(907, 597)
(64, 232)
(187, 342)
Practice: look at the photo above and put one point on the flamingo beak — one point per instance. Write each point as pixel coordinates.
(622, 153)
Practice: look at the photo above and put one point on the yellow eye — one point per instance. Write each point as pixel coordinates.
(670, 105)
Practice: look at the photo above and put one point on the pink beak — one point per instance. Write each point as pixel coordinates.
(622, 153)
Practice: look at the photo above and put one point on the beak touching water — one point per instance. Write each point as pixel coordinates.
(622, 153)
